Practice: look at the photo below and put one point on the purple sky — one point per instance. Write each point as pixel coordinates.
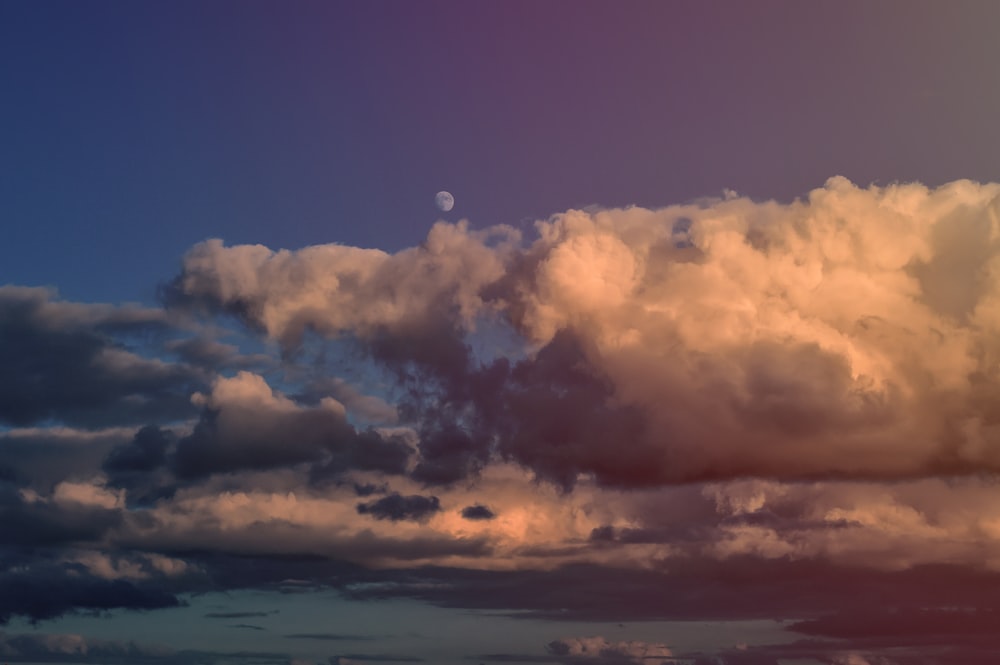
(701, 368)
(131, 132)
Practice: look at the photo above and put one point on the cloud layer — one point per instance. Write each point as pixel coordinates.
(721, 410)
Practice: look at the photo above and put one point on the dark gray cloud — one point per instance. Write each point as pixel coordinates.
(397, 507)
(367, 489)
(25, 522)
(907, 625)
(975, 651)
(62, 648)
(212, 355)
(236, 615)
(267, 443)
(82, 364)
(146, 452)
(244, 425)
(365, 450)
(331, 637)
(551, 412)
(45, 590)
(40, 458)
(140, 466)
(477, 512)
(739, 587)
(960, 651)
(373, 658)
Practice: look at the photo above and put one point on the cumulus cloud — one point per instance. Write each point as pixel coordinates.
(69, 362)
(821, 338)
(334, 289)
(245, 424)
(711, 394)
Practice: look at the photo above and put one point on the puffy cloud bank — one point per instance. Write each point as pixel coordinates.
(721, 410)
(852, 334)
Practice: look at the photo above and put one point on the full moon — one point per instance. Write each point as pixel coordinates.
(444, 200)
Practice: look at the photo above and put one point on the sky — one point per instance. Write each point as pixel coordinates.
(702, 367)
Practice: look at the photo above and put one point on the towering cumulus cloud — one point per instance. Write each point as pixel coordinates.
(853, 334)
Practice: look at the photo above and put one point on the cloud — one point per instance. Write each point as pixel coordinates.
(477, 512)
(373, 658)
(247, 425)
(600, 649)
(236, 615)
(334, 289)
(691, 588)
(674, 414)
(139, 466)
(329, 637)
(817, 339)
(906, 626)
(42, 457)
(44, 590)
(69, 362)
(210, 354)
(368, 408)
(247, 626)
(396, 507)
(73, 648)
(73, 513)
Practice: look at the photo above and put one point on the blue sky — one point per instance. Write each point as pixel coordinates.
(701, 367)
(132, 132)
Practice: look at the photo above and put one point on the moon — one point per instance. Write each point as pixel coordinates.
(444, 200)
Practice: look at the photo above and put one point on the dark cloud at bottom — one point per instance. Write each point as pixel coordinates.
(735, 589)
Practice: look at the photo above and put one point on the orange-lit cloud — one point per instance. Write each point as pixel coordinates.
(851, 334)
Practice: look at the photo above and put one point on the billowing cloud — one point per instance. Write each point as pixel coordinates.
(674, 414)
(333, 288)
(829, 337)
(247, 425)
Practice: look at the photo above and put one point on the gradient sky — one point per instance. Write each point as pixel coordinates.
(703, 366)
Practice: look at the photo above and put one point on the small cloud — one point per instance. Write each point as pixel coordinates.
(237, 615)
(396, 507)
(477, 512)
(636, 651)
(333, 637)
(373, 658)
